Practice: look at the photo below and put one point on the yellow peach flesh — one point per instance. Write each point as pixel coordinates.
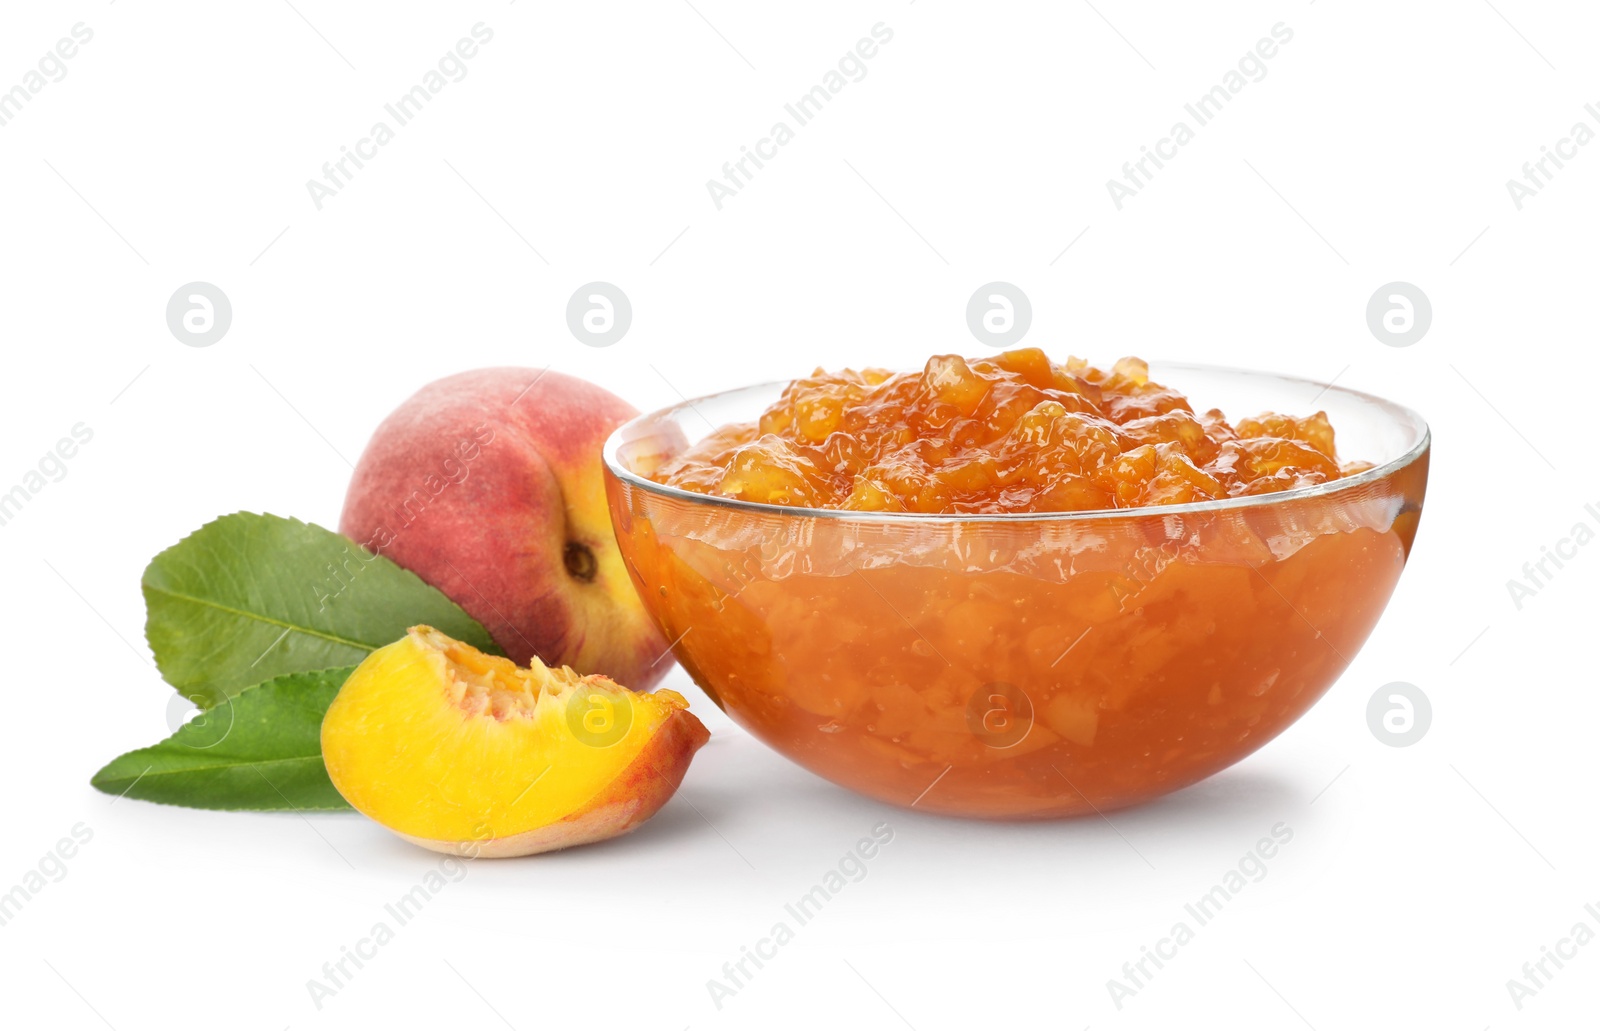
(465, 752)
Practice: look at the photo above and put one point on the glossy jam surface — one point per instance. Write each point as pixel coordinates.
(1013, 433)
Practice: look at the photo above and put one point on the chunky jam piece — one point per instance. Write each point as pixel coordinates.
(1012, 433)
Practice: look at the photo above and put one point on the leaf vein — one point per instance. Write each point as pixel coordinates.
(234, 765)
(261, 618)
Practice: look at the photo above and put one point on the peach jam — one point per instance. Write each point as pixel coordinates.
(1011, 588)
(1013, 433)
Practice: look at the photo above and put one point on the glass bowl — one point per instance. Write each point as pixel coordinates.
(1024, 666)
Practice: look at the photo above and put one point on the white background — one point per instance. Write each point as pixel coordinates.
(1377, 147)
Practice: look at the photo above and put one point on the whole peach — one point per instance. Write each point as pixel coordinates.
(488, 485)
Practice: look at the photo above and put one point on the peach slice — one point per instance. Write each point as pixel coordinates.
(466, 753)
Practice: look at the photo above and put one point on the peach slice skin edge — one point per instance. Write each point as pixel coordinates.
(632, 797)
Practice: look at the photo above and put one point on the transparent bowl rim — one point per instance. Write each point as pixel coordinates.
(1321, 490)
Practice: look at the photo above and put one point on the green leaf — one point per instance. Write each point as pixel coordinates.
(261, 749)
(250, 597)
